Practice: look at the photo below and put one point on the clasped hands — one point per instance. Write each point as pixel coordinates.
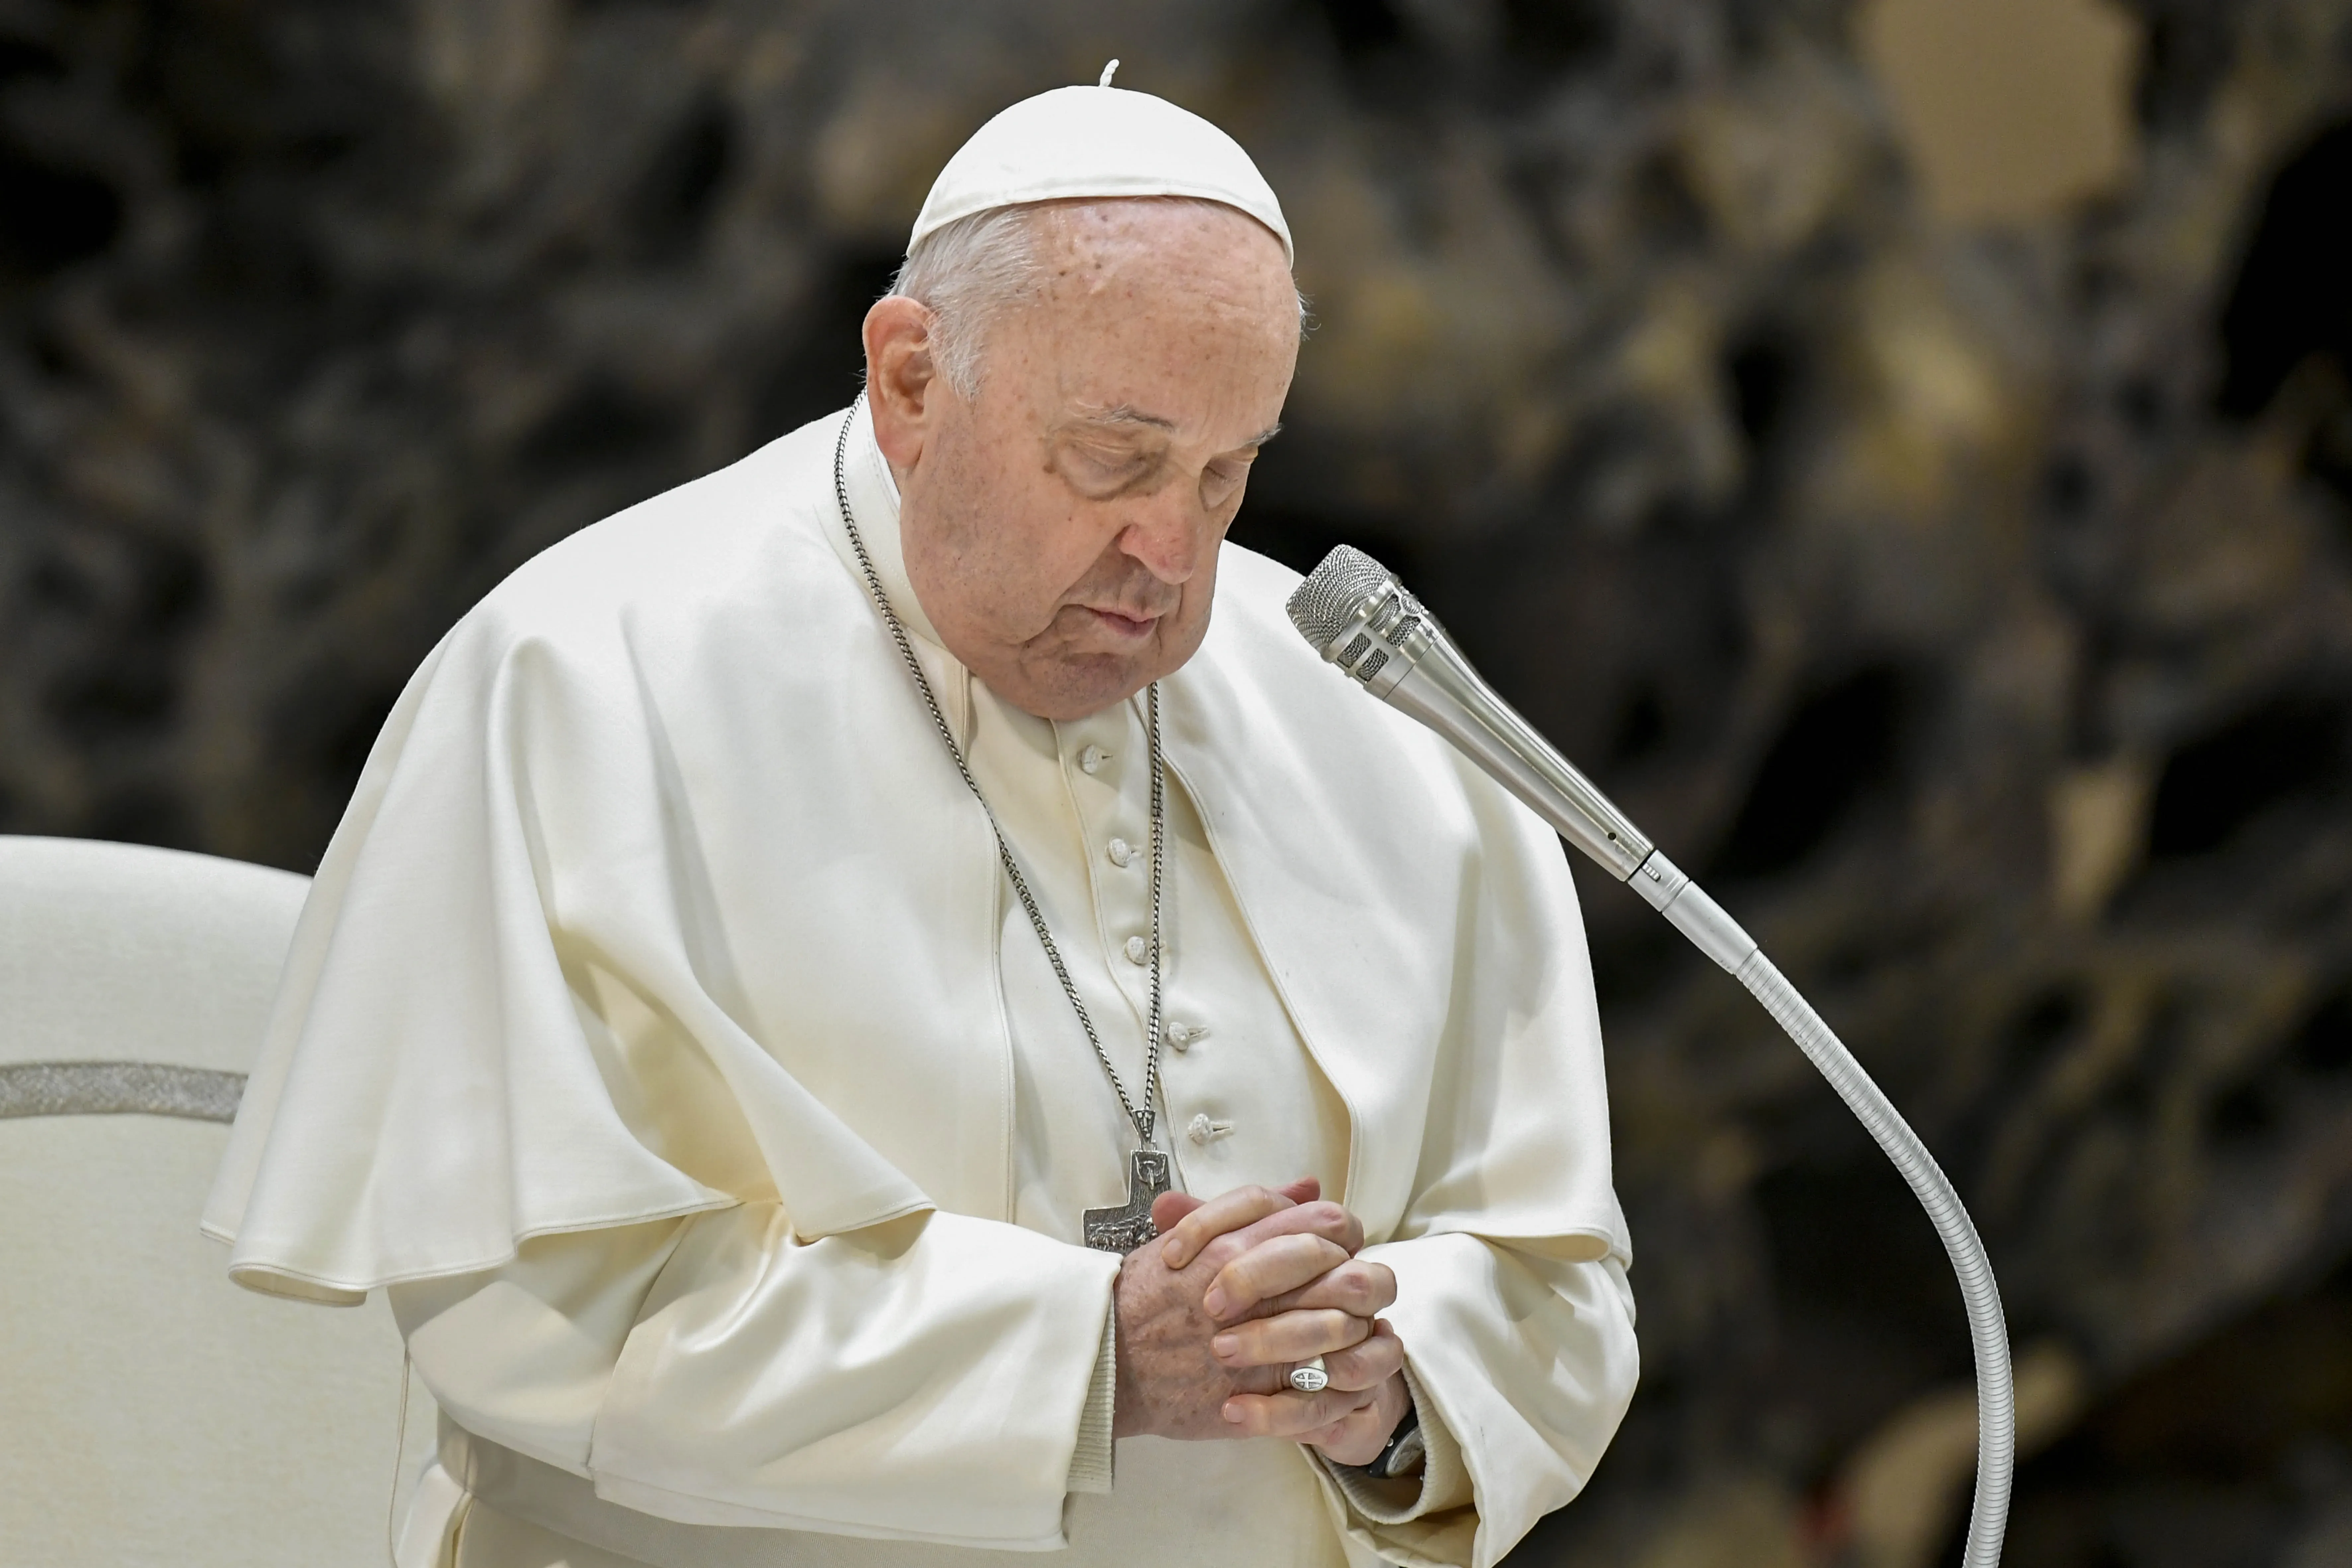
(1237, 1291)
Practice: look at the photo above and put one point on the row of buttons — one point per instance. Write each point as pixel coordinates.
(1203, 1128)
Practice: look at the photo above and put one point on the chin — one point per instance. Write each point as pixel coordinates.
(1076, 685)
(1075, 679)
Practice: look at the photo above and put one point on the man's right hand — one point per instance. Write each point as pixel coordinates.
(1171, 1382)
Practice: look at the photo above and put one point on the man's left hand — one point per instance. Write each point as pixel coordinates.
(1282, 1308)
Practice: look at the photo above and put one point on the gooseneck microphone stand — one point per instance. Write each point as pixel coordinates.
(1360, 617)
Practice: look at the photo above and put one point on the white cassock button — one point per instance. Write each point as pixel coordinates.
(1092, 759)
(1138, 951)
(1201, 1129)
(1181, 1035)
(1121, 852)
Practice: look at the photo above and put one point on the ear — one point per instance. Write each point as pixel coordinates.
(903, 384)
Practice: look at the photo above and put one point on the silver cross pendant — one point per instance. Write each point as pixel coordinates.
(1128, 1227)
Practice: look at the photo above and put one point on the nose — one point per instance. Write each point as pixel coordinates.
(1168, 534)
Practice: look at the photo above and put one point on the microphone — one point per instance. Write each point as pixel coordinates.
(1354, 612)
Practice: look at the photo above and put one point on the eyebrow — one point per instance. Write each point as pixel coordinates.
(1127, 413)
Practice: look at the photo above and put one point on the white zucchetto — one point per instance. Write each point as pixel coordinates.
(1075, 143)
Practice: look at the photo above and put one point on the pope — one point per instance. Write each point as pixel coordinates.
(881, 1005)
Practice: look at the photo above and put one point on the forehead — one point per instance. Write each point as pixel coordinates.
(1164, 319)
(1147, 256)
(1158, 223)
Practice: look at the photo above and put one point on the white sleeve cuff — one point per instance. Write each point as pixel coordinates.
(1444, 1482)
(1091, 1461)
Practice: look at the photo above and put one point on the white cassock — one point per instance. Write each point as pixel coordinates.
(663, 1034)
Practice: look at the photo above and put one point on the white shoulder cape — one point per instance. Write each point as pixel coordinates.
(658, 894)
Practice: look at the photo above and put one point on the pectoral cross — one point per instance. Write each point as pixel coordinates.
(1128, 1227)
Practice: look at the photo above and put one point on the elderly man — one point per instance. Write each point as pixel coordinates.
(804, 949)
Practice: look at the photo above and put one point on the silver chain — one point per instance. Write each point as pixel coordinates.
(1145, 1118)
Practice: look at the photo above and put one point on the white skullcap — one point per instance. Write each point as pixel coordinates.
(1082, 142)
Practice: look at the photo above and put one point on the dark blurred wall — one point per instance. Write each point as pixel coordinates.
(1971, 601)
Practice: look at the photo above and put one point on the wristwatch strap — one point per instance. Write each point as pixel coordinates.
(1404, 1446)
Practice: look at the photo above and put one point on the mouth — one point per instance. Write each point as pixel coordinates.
(1126, 628)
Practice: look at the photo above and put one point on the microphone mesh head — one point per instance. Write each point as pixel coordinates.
(1321, 606)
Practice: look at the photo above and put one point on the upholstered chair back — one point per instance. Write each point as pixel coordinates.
(152, 1413)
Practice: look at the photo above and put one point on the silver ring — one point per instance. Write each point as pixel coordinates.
(1309, 1377)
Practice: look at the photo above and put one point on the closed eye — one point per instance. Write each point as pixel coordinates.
(1100, 470)
(1221, 481)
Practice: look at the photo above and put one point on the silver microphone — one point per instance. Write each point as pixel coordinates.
(1355, 612)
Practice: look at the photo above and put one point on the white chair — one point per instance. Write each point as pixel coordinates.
(152, 1413)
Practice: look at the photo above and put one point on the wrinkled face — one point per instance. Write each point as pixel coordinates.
(1061, 527)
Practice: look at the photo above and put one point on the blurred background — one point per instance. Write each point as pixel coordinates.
(1903, 449)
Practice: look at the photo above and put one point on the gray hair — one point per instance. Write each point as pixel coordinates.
(969, 272)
